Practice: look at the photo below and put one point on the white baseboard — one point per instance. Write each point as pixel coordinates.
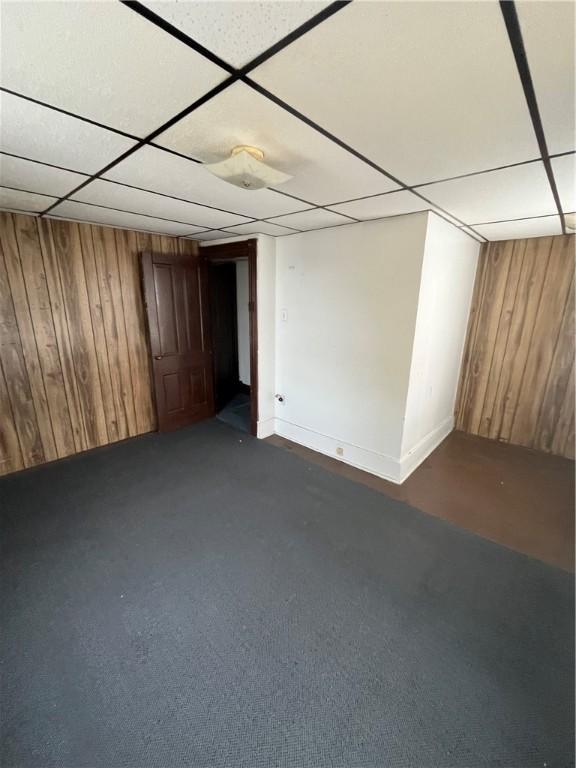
(265, 428)
(379, 464)
(415, 456)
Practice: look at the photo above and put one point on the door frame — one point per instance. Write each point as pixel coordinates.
(244, 249)
(214, 274)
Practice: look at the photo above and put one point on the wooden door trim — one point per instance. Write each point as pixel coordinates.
(245, 249)
(149, 302)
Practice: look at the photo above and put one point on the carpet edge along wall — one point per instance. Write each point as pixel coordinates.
(517, 379)
(74, 360)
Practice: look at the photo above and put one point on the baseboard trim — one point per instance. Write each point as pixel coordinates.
(415, 456)
(265, 428)
(378, 464)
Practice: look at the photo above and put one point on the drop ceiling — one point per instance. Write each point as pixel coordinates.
(376, 109)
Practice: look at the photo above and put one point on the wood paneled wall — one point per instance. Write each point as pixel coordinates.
(517, 382)
(74, 361)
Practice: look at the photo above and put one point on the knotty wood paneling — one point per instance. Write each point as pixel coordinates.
(517, 381)
(74, 359)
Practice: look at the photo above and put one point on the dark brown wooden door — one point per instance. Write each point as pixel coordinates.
(224, 326)
(175, 295)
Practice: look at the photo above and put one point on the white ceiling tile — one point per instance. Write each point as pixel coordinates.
(209, 236)
(426, 90)
(35, 177)
(393, 204)
(103, 61)
(13, 199)
(548, 33)
(237, 31)
(314, 219)
(160, 171)
(321, 170)
(135, 200)
(260, 228)
(564, 169)
(32, 131)
(513, 230)
(511, 193)
(94, 215)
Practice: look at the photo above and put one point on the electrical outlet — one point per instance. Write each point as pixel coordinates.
(339, 451)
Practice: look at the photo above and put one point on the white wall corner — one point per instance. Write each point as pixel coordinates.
(416, 455)
(265, 428)
(445, 295)
(266, 290)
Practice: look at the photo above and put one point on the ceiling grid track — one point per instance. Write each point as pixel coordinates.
(235, 74)
(242, 75)
(512, 24)
(508, 8)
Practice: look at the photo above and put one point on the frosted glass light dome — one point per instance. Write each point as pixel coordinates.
(245, 168)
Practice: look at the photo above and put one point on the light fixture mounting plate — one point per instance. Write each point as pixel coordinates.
(254, 151)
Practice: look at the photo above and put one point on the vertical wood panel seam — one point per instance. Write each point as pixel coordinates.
(116, 248)
(49, 410)
(509, 331)
(11, 406)
(504, 354)
(56, 335)
(66, 318)
(479, 378)
(91, 232)
(493, 352)
(48, 348)
(560, 326)
(17, 324)
(483, 268)
(12, 461)
(529, 346)
(108, 441)
(536, 314)
(509, 326)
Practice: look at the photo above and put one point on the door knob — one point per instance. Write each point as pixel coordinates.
(157, 357)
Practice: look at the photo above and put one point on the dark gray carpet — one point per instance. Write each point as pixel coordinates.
(203, 599)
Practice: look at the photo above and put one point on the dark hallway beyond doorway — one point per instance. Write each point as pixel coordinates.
(223, 321)
(236, 413)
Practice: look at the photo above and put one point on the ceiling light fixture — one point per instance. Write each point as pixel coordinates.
(245, 168)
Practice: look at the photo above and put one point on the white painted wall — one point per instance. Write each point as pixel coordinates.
(446, 286)
(361, 329)
(343, 354)
(243, 320)
(266, 296)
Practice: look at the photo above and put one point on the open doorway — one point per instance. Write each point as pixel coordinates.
(232, 301)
